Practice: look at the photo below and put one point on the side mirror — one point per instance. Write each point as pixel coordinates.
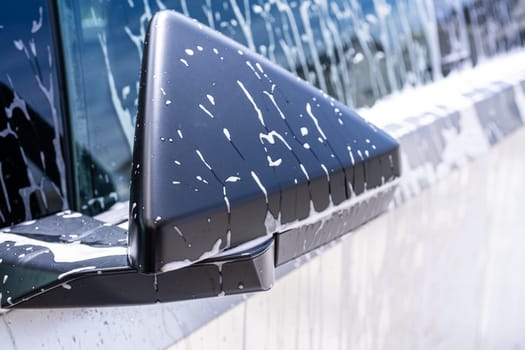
(238, 167)
(230, 148)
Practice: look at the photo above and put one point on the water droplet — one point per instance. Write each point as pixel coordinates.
(240, 285)
(304, 131)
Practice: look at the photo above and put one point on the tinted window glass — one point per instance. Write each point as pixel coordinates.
(471, 31)
(356, 50)
(32, 169)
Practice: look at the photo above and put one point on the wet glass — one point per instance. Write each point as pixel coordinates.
(473, 31)
(32, 162)
(358, 51)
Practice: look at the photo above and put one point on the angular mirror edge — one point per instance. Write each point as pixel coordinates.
(158, 243)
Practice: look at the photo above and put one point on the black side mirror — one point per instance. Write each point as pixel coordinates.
(239, 166)
(230, 148)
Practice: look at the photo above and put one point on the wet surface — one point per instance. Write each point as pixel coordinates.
(441, 271)
(242, 150)
(452, 262)
(32, 166)
(434, 263)
(356, 51)
(41, 254)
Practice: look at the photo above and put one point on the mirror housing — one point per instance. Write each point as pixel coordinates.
(230, 148)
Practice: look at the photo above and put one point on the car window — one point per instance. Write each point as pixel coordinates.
(472, 31)
(32, 161)
(358, 51)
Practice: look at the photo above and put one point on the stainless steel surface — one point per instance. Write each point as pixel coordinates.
(443, 271)
(373, 274)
